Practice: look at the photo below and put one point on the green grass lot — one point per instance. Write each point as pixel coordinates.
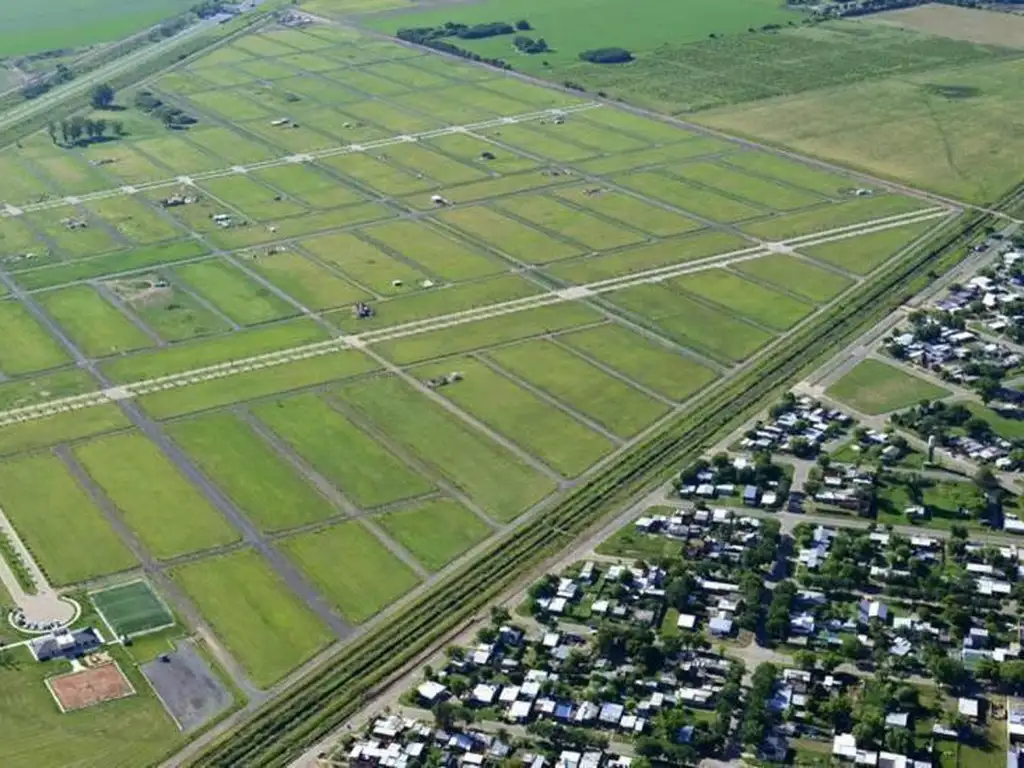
(935, 129)
(644, 361)
(692, 323)
(365, 263)
(1006, 426)
(766, 164)
(499, 482)
(96, 326)
(252, 198)
(630, 542)
(132, 608)
(864, 253)
(833, 216)
(796, 276)
(943, 500)
(259, 383)
(174, 314)
(26, 346)
(133, 219)
(745, 298)
(29, 391)
(509, 236)
(253, 611)
(691, 198)
(486, 333)
(644, 257)
(658, 155)
(365, 471)
(581, 386)
(539, 427)
(759, 190)
(629, 210)
(310, 283)
(269, 490)
(61, 428)
(309, 185)
(351, 568)
(638, 26)
(549, 214)
(438, 252)
(118, 734)
(874, 387)
(167, 512)
(233, 292)
(436, 532)
(71, 542)
(204, 352)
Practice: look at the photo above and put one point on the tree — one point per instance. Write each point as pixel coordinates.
(51, 131)
(103, 96)
(948, 672)
(985, 479)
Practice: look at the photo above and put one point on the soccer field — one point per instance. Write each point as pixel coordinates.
(132, 609)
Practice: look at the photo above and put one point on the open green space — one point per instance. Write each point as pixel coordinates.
(864, 253)
(947, 503)
(351, 568)
(132, 608)
(795, 275)
(436, 532)
(118, 734)
(592, 231)
(690, 197)
(645, 361)
(95, 325)
(54, 516)
(1005, 424)
(763, 191)
(500, 482)
(629, 210)
(167, 512)
(439, 253)
(261, 621)
(22, 392)
(874, 387)
(312, 284)
(364, 470)
(509, 236)
(60, 428)
(822, 218)
(766, 307)
(537, 426)
(580, 385)
(26, 346)
(270, 491)
(174, 314)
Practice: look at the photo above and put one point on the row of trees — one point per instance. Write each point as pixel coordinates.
(80, 130)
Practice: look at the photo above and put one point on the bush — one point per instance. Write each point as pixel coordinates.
(523, 25)
(607, 56)
(526, 44)
(491, 29)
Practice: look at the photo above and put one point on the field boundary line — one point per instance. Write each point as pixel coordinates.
(130, 390)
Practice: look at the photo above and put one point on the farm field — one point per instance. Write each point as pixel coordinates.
(303, 386)
(874, 387)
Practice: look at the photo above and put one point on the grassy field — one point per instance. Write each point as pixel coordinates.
(158, 502)
(71, 542)
(119, 734)
(436, 532)
(132, 608)
(259, 619)
(352, 568)
(261, 483)
(860, 255)
(874, 387)
(95, 325)
(797, 276)
(744, 298)
(26, 346)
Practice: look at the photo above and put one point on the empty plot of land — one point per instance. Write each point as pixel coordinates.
(487, 472)
(95, 325)
(976, 25)
(798, 276)
(364, 471)
(581, 386)
(438, 253)
(64, 530)
(691, 198)
(165, 510)
(509, 236)
(132, 608)
(864, 253)
(646, 362)
(833, 215)
(581, 227)
(874, 387)
(25, 345)
(174, 314)
(763, 191)
(272, 493)
(365, 263)
(745, 298)
(436, 532)
(254, 612)
(562, 442)
(352, 568)
(629, 210)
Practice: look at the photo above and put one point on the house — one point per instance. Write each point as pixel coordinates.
(969, 708)
(873, 609)
(897, 720)
(432, 692)
(1015, 720)
(720, 626)
(686, 621)
(484, 694)
(751, 495)
(844, 746)
(65, 644)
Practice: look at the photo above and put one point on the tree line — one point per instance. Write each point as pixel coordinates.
(82, 130)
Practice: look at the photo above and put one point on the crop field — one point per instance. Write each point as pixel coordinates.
(306, 368)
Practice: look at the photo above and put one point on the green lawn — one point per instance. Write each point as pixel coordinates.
(642, 360)
(691, 198)
(261, 621)
(563, 443)
(942, 499)
(824, 218)
(158, 503)
(360, 467)
(272, 493)
(630, 542)
(61, 428)
(796, 275)
(436, 532)
(233, 292)
(864, 253)
(95, 325)
(26, 346)
(487, 472)
(620, 408)
(174, 314)
(352, 569)
(58, 522)
(745, 298)
(874, 387)
(1006, 427)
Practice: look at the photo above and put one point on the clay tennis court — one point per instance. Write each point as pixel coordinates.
(89, 687)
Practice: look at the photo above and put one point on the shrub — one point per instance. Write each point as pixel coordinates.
(607, 56)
